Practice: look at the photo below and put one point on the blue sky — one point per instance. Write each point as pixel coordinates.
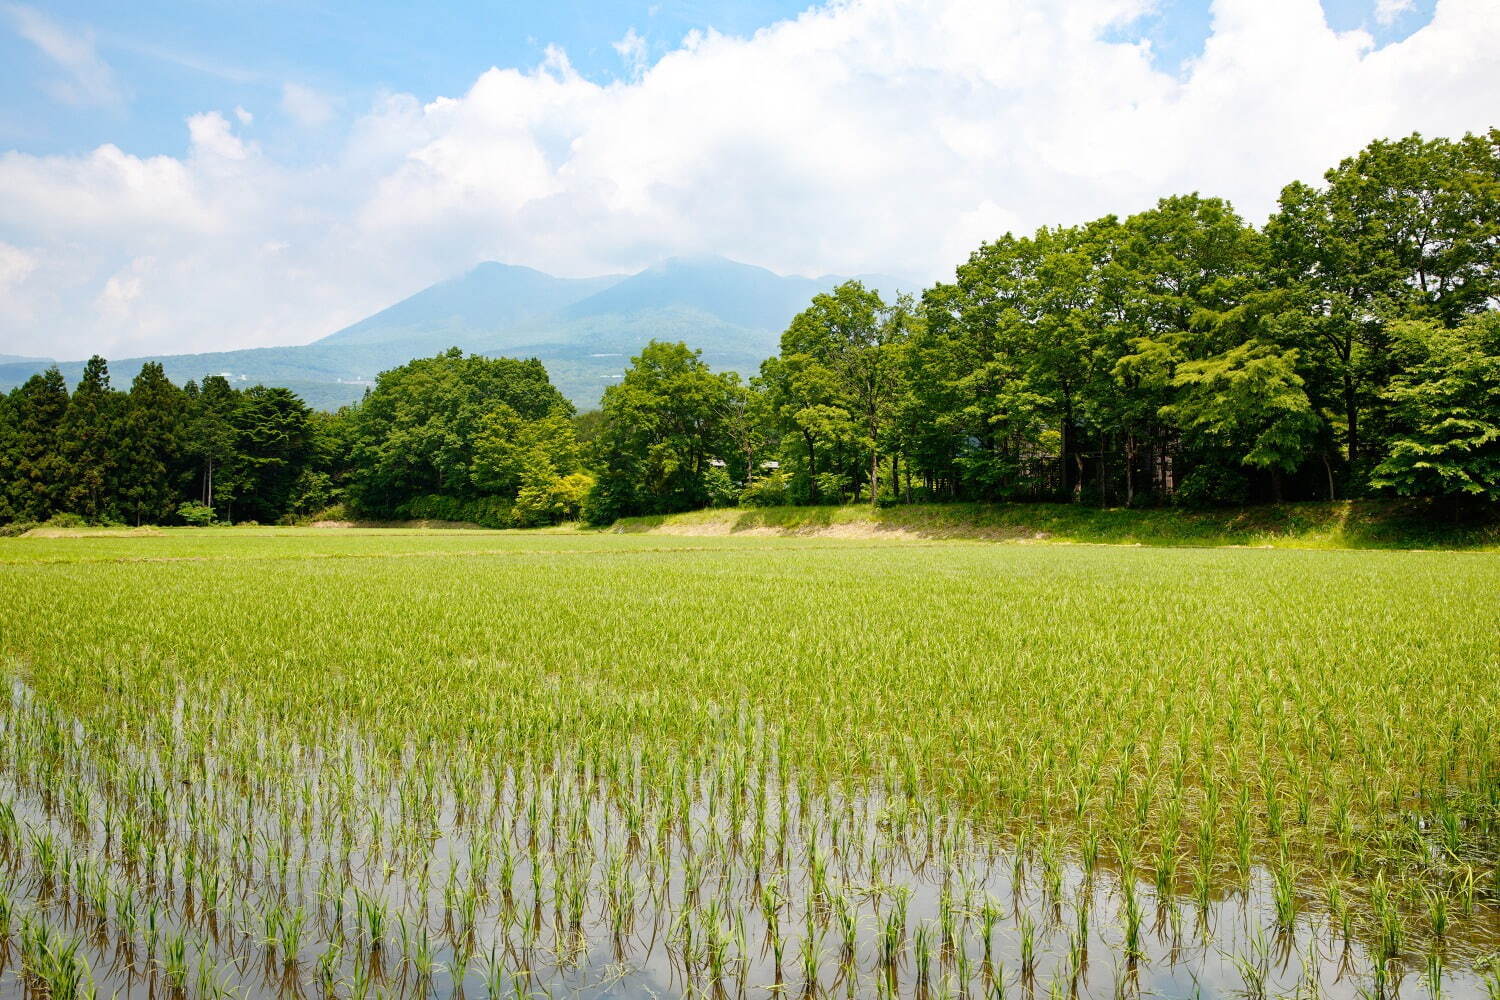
(232, 173)
(168, 61)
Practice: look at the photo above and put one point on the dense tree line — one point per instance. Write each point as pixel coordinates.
(155, 453)
(1350, 347)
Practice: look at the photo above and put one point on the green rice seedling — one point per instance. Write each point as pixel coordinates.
(922, 947)
(1132, 916)
(327, 969)
(174, 963)
(1027, 928)
(1436, 905)
(848, 925)
(989, 916)
(1284, 895)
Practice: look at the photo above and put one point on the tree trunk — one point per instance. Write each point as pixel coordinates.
(1351, 414)
(812, 468)
(1328, 468)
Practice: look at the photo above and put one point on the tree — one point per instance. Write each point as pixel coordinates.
(39, 481)
(1406, 229)
(212, 442)
(842, 354)
(417, 430)
(272, 443)
(661, 424)
(151, 452)
(1248, 401)
(87, 440)
(1446, 408)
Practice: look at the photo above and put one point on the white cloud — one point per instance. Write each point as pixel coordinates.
(632, 51)
(871, 135)
(245, 117)
(1387, 11)
(87, 79)
(306, 106)
(123, 289)
(15, 265)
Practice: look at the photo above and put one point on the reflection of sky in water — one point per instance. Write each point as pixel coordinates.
(1189, 950)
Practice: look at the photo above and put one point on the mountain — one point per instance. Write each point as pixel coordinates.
(490, 298)
(583, 329)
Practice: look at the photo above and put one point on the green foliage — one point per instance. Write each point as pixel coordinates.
(551, 499)
(1248, 401)
(766, 491)
(194, 514)
(153, 467)
(418, 431)
(1445, 411)
(487, 512)
(719, 487)
(661, 425)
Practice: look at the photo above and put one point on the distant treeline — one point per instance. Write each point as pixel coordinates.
(1350, 347)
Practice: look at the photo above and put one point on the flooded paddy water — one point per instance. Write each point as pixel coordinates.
(156, 864)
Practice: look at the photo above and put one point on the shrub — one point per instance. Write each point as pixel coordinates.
(768, 491)
(1212, 486)
(195, 514)
(67, 519)
(551, 500)
(720, 488)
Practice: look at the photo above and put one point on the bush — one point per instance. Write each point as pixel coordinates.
(1212, 486)
(767, 491)
(487, 512)
(720, 488)
(67, 519)
(195, 514)
(16, 529)
(551, 501)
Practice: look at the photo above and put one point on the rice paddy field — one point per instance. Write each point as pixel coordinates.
(279, 762)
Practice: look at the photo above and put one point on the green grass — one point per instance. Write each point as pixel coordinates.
(1346, 524)
(504, 747)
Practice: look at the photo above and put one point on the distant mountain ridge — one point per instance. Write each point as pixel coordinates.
(583, 329)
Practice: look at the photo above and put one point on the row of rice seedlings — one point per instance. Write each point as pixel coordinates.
(396, 872)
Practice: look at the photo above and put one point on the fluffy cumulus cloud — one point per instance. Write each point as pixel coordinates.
(869, 135)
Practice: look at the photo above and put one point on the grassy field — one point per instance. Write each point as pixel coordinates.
(1349, 524)
(360, 763)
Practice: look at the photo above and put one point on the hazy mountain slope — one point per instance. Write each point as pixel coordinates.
(489, 298)
(583, 329)
(739, 294)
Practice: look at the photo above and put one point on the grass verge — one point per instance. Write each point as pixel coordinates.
(1349, 524)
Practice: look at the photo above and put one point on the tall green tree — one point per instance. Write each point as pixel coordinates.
(1405, 229)
(151, 451)
(662, 423)
(1446, 406)
(273, 441)
(88, 434)
(212, 442)
(417, 430)
(40, 478)
(842, 361)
